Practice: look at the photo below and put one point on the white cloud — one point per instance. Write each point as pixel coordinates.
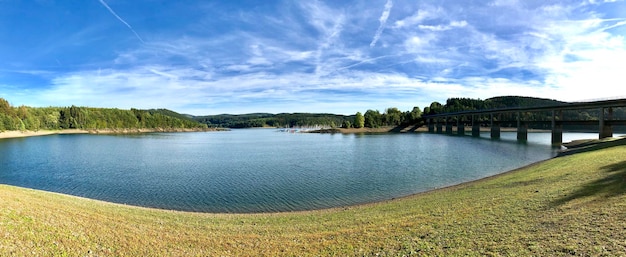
(604, 1)
(417, 18)
(451, 25)
(238, 67)
(505, 3)
(421, 44)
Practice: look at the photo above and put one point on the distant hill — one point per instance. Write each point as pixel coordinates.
(171, 113)
(519, 101)
(254, 120)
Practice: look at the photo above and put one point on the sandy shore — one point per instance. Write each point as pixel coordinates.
(18, 134)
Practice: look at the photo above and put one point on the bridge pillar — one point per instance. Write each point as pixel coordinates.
(460, 126)
(606, 130)
(495, 127)
(439, 127)
(522, 128)
(475, 126)
(431, 125)
(557, 128)
(448, 126)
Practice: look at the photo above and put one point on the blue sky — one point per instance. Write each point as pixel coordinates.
(212, 57)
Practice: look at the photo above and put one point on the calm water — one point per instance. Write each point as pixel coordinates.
(258, 170)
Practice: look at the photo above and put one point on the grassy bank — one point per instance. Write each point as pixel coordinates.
(572, 205)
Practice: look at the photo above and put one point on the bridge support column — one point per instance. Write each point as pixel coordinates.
(431, 126)
(606, 130)
(522, 129)
(557, 128)
(439, 127)
(475, 126)
(448, 126)
(460, 126)
(495, 128)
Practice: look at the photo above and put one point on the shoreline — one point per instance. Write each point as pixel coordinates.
(28, 133)
(21, 134)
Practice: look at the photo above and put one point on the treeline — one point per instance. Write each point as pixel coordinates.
(255, 120)
(374, 118)
(371, 118)
(391, 117)
(469, 104)
(54, 118)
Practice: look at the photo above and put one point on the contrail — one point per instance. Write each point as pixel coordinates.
(122, 20)
(619, 24)
(383, 21)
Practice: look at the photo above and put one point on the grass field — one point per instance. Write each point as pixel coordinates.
(572, 205)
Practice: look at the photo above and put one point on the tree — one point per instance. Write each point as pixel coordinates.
(359, 120)
(416, 113)
(412, 116)
(393, 116)
(435, 107)
(373, 119)
(5, 107)
(5, 122)
(346, 124)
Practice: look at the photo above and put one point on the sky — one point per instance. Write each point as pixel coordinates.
(342, 57)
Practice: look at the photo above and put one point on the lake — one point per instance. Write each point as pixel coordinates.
(259, 170)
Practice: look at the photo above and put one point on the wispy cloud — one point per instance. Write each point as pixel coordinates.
(452, 25)
(329, 25)
(122, 20)
(417, 18)
(619, 23)
(383, 21)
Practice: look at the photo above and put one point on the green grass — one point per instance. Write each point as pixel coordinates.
(572, 205)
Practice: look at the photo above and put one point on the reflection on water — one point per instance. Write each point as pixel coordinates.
(258, 170)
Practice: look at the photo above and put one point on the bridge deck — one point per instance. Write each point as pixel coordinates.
(559, 107)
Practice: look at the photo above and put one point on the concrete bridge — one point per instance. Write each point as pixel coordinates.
(522, 117)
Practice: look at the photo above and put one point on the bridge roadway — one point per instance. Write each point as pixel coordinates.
(604, 121)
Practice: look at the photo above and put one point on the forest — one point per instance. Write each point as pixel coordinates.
(87, 118)
(372, 118)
